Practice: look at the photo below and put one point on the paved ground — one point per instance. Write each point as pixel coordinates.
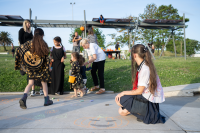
(91, 115)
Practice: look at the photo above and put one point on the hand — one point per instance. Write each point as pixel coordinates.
(85, 64)
(52, 60)
(117, 98)
(62, 59)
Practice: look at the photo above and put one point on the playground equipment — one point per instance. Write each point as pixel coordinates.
(129, 24)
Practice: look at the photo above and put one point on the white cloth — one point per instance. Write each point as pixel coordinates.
(95, 49)
(58, 48)
(143, 80)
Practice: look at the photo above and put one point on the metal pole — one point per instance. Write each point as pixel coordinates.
(72, 11)
(35, 23)
(85, 23)
(135, 30)
(30, 12)
(174, 44)
(165, 45)
(147, 44)
(184, 36)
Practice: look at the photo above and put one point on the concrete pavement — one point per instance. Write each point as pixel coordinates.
(93, 114)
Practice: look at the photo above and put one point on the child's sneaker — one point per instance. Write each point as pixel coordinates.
(86, 90)
(32, 93)
(41, 92)
(58, 93)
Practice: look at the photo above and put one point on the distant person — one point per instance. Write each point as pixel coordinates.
(57, 57)
(76, 43)
(116, 47)
(32, 57)
(152, 48)
(25, 33)
(92, 37)
(143, 100)
(12, 49)
(101, 19)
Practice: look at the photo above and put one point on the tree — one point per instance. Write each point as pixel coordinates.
(192, 46)
(123, 39)
(5, 39)
(100, 36)
(149, 13)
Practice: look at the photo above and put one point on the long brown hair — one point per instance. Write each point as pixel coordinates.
(78, 57)
(39, 46)
(144, 53)
(90, 32)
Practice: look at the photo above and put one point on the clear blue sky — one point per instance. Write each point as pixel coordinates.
(62, 10)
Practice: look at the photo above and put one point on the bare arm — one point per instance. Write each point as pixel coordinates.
(139, 91)
(91, 60)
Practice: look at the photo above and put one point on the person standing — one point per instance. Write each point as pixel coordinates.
(152, 48)
(76, 43)
(57, 57)
(32, 58)
(92, 38)
(25, 33)
(116, 47)
(12, 49)
(98, 60)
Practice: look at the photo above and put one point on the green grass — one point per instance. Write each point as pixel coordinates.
(172, 71)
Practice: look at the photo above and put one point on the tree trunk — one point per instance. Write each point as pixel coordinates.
(163, 53)
(4, 46)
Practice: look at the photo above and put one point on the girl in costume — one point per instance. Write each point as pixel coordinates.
(32, 58)
(75, 71)
(57, 57)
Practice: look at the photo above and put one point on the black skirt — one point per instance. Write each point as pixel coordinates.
(152, 116)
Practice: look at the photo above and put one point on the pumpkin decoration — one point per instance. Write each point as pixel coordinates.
(101, 122)
(82, 28)
(115, 49)
(113, 58)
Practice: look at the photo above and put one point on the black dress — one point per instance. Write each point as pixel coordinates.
(152, 116)
(24, 36)
(57, 72)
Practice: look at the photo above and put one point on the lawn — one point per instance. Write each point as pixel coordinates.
(172, 71)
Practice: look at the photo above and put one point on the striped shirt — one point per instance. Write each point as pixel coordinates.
(92, 38)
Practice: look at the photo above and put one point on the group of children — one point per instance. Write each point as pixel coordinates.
(78, 70)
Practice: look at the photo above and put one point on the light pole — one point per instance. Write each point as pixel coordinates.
(72, 8)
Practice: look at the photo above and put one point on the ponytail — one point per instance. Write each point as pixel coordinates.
(144, 53)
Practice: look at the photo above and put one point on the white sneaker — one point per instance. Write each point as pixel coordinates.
(58, 93)
(41, 92)
(32, 93)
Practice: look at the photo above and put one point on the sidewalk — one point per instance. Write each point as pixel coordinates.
(93, 114)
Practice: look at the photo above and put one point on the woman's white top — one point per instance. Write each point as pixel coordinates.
(143, 80)
(95, 49)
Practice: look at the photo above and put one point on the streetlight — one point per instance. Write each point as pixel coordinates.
(72, 8)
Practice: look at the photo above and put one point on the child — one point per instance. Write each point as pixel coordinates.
(143, 101)
(83, 70)
(101, 19)
(32, 58)
(75, 71)
(57, 72)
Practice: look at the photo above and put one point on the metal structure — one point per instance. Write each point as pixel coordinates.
(71, 3)
(129, 24)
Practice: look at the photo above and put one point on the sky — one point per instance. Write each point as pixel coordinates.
(62, 10)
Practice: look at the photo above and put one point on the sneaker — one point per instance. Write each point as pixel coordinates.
(41, 92)
(58, 93)
(32, 93)
(86, 90)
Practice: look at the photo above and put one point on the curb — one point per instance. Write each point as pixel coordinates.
(66, 92)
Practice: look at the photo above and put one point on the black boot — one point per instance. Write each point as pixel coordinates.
(22, 101)
(47, 102)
